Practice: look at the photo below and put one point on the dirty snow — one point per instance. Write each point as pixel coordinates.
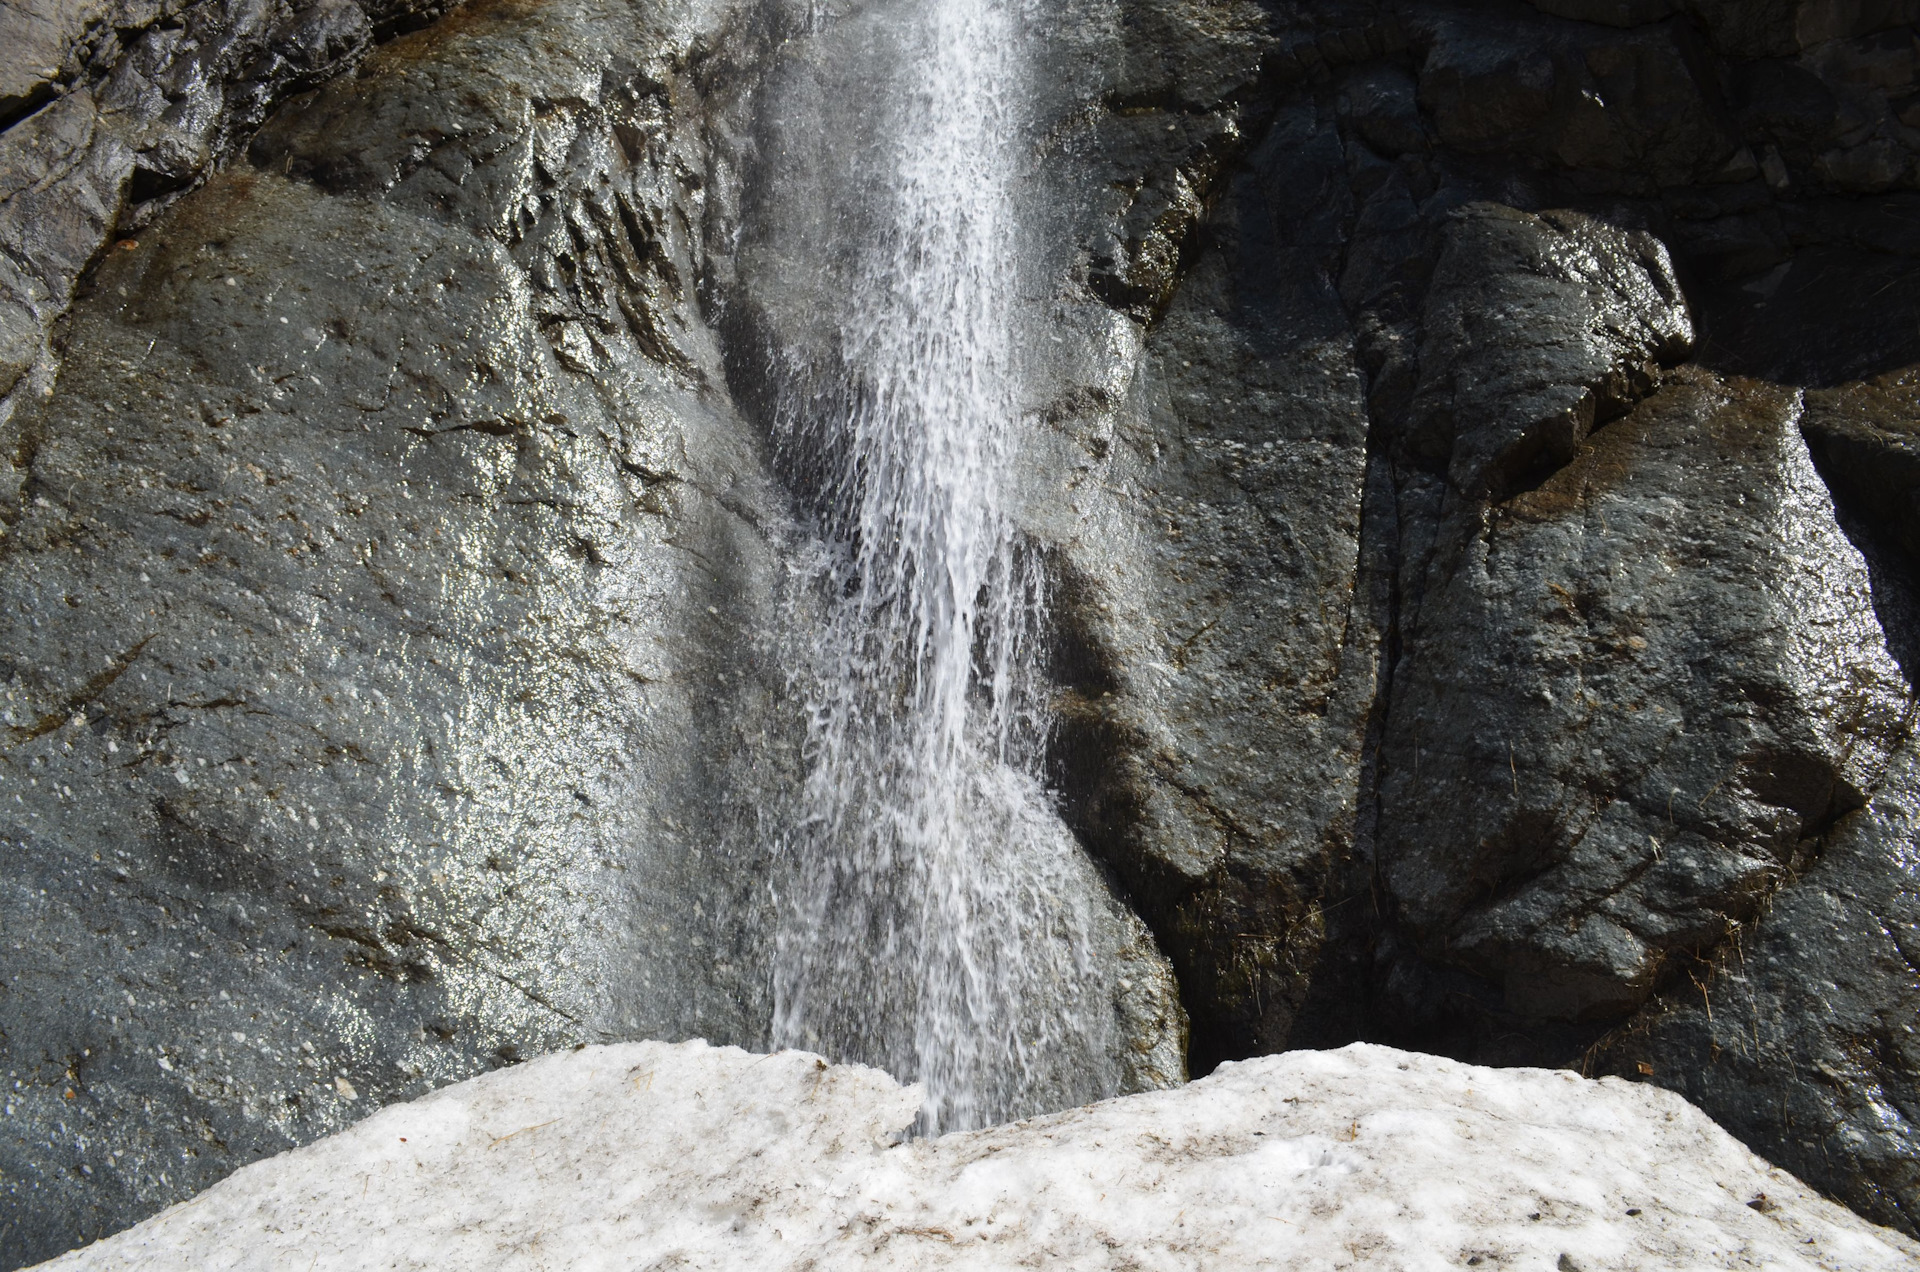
(685, 1156)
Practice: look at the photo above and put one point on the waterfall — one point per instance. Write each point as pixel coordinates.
(934, 917)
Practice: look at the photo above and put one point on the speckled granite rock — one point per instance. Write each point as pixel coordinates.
(1220, 635)
(1536, 329)
(1634, 694)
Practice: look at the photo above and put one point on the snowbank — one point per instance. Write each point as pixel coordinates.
(686, 1156)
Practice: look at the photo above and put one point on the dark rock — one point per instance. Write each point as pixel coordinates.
(1632, 699)
(1737, 246)
(382, 692)
(1485, 89)
(1835, 113)
(1614, 111)
(1830, 313)
(110, 105)
(1519, 925)
(1381, 105)
(1620, 13)
(1799, 1037)
(39, 38)
(1536, 329)
(1158, 115)
(1773, 28)
(1866, 440)
(1222, 642)
(50, 229)
(1789, 105)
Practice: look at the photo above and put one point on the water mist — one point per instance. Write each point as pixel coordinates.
(936, 918)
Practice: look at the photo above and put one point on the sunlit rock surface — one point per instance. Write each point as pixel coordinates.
(650, 1155)
(388, 624)
(377, 618)
(110, 108)
(452, 739)
(1639, 688)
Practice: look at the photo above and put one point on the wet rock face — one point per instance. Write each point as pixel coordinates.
(1196, 475)
(1669, 637)
(1219, 641)
(1536, 329)
(1473, 447)
(112, 107)
(1866, 438)
(815, 179)
(1633, 696)
(1493, 730)
(378, 678)
(1802, 1034)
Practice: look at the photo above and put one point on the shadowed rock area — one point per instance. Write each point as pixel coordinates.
(1472, 446)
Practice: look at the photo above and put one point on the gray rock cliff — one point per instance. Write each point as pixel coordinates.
(1472, 446)
(382, 580)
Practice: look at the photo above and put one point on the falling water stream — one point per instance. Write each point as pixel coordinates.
(932, 919)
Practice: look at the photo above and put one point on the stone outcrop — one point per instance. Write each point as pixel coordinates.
(1865, 437)
(1801, 1032)
(112, 107)
(1472, 446)
(1668, 641)
(1218, 636)
(1536, 330)
(1411, 777)
(380, 594)
(1634, 695)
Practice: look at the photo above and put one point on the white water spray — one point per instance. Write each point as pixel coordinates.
(934, 915)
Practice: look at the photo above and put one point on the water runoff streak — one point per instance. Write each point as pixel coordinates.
(933, 919)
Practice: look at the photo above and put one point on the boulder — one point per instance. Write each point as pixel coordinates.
(1632, 698)
(1799, 1037)
(1536, 329)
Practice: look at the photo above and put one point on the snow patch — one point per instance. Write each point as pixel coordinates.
(685, 1156)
